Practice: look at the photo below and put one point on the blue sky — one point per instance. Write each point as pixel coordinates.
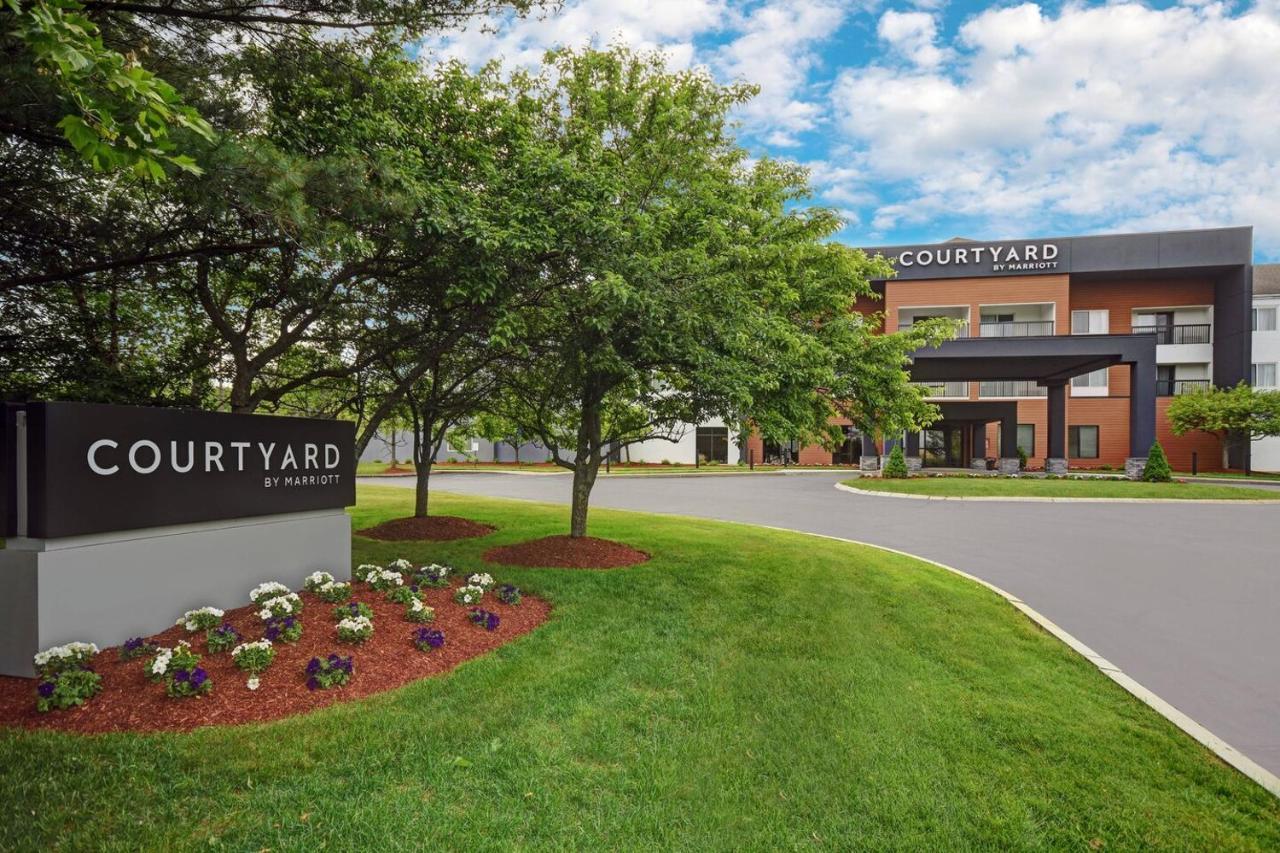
(930, 119)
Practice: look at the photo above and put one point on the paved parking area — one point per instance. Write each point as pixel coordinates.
(1185, 598)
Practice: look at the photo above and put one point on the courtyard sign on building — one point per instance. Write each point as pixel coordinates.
(1026, 257)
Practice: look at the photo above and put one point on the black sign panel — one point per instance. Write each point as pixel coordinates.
(95, 468)
(964, 259)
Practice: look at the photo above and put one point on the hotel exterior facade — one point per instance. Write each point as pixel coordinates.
(1070, 348)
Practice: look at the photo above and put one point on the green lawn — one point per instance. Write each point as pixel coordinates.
(1039, 488)
(745, 689)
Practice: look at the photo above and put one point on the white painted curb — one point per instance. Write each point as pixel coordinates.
(1030, 499)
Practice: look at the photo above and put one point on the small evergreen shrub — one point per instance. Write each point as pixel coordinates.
(1157, 470)
(896, 467)
(1022, 459)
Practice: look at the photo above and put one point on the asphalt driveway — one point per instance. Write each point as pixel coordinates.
(1185, 598)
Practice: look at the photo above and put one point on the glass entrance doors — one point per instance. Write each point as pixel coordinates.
(943, 447)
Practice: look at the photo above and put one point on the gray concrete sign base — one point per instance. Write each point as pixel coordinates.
(107, 588)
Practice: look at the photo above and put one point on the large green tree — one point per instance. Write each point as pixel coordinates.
(1235, 415)
(689, 282)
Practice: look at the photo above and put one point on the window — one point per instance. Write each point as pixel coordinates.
(1264, 319)
(1090, 322)
(997, 318)
(1263, 376)
(1082, 442)
(1093, 379)
(713, 444)
(1026, 440)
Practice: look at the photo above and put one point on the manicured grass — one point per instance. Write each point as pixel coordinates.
(1040, 488)
(1233, 475)
(745, 689)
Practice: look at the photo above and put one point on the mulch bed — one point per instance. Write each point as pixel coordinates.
(435, 528)
(565, 552)
(130, 702)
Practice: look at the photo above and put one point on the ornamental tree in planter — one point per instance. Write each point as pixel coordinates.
(1157, 470)
(896, 467)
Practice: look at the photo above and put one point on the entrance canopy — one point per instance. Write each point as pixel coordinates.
(1050, 361)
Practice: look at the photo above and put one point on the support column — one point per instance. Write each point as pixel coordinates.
(870, 459)
(1008, 463)
(1056, 460)
(1142, 416)
(914, 462)
(978, 461)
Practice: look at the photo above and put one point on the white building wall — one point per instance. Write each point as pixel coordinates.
(1266, 350)
(682, 451)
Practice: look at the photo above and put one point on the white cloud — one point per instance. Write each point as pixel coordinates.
(1117, 115)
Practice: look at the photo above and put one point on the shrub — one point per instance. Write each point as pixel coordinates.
(289, 604)
(896, 467)
(509, 594)
(427, 639)
(315, 580)
(355, 629)
(400, 595)
(287, 629)
(253, 658)
(353, 608)
(484, 580)
(179, 668)
(1022, 459)
(334, 592)
(221, 639)
(64, 658)
(333, 671)
(1157, 470)
(270, 589)
(484, 618)
(136, 647)
(400, 565)
(468, 594)
(434, 575)
(67, 688)
(200, 619)
(362, 571)
(419, 612)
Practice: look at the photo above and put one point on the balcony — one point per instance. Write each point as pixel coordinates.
(1019, 388)
(1016, 329)
(1183, 333)
(962, 331)
(945, 389)
(1178, 387)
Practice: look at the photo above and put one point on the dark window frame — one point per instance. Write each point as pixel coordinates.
(1073, 441)
(713, 436)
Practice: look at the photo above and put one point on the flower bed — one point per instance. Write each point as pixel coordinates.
(130, 701)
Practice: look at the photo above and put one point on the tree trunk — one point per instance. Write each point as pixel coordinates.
(240, 396)
(422, 489)
(586, 464)
(433, 436)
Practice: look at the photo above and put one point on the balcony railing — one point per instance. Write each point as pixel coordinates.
(1016, 329)
(1183, 333)
(1019, 388)
(962, 331)
(945, 389)
(1178, 387)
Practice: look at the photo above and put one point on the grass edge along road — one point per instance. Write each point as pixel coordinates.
(746, 688)
(1095, 488)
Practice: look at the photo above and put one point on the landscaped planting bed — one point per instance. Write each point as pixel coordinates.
(433, 528)
(202, 684)
(565, 552)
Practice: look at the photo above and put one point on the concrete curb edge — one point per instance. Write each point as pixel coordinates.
(1031, 499)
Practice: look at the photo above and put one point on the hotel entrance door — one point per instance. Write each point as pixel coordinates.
(943, 447)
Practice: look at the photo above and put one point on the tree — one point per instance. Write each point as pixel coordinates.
(1157, 467)
(688, 283)
(1235, 415)
(896, 467)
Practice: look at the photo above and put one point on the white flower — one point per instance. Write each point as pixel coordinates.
(401, 565)
(160, 665)
(256, 644)
(416, 605)
(188, 619)
(282, 605)
(332, 585)
(356, 623)
(318, 578)
(270, 589)
(483, 580)
(468, 594)
(67, 650)
(252, 683)
(364, 570)
(264, 614)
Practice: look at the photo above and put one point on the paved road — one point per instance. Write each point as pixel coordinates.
(1183, 597)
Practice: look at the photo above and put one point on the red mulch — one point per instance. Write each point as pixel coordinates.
(129, 702)
(396, 469)
(565, 552)
(435, 528)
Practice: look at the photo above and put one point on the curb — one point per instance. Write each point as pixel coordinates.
(1219, 747)
(1030, 499)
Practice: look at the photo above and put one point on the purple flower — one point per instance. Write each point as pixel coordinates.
(46, 688)
(313, 683)
(181, 676)
(133, 644)
(430, 637)
(198, 677)
(313, 666)
(485, 619)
